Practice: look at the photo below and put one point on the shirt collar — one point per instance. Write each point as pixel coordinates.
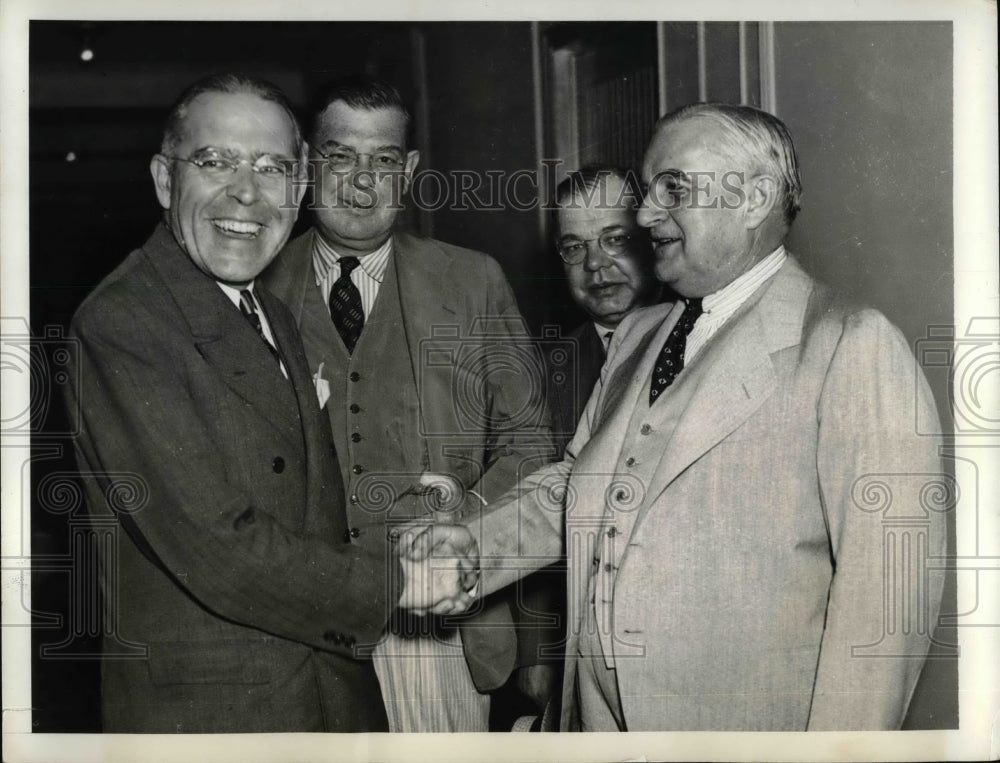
(730, 296)
(325, 256)
(234, 294)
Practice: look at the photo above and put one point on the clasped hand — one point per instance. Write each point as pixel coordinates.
(440, 566)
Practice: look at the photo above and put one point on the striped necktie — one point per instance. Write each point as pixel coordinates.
(346, 311)
(249, 310)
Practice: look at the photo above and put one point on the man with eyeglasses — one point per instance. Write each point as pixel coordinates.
(749, 512)
(411, 334)
(236, 601)
(609, 269)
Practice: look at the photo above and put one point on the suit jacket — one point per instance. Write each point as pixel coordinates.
(571, 381)
(456, 303)
(744, 584)
(231, 566)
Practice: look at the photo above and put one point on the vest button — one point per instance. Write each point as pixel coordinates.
(355, 408)
(646, 429)
(607, 567)
(355, 437)
(612, 532)
(357, 468)
(354, 499)
(630, 461)
(355, 376)
(355, 532)
(278, 464)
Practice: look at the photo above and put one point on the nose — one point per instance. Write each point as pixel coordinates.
(650, 213)
(363, 175)
(596, 257)
(243, 187)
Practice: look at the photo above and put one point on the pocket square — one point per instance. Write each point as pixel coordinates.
(322, 386)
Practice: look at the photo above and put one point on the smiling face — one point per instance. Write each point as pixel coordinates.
(231, 225)
(356, 207)
(695, 210)
(607, 287)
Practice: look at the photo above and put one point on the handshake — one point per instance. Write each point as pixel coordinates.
(440, 568)
(440, 561)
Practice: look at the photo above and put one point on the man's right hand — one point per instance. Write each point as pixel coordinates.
(441, 568)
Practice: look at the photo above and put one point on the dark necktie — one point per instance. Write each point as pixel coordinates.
(671, 358)
(345, 304)
(249, 310)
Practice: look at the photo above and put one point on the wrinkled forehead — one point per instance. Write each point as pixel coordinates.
(587, 221)
(360, 128)
(689, 146)
(238, 122)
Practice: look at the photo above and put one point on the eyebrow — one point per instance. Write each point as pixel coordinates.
(605, 229)
(331, 143)
(231, 153)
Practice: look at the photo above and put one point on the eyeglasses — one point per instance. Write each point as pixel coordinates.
(343, 159)
(220, 168)
(612, 243)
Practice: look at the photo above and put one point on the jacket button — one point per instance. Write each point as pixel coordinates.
(355, 376)
(354, 499)
(357, 468)
(355, 408)
(355, 437)
(392, 535)
(612, 532)
(278, 464)
(646, 429)
(630, 461)
(246, 518)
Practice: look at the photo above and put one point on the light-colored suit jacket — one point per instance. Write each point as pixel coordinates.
(770, 574)
(479, 387)
(229, 567)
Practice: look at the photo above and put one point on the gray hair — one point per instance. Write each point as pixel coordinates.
(233, 84)
(753, 139)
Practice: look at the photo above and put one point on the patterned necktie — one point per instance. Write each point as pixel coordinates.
(345, 304)
(671, 358)
(249, 310)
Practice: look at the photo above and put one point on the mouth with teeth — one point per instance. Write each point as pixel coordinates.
(238, 228)
(660, 242)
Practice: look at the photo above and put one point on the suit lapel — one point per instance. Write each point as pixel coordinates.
(433, 321)
(223, 336)
(734, 374)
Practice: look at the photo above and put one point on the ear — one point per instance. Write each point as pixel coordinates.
(301, 182)
(159, 168)
(761, 197)
(412, 160)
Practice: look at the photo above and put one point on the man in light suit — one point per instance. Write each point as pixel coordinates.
(608, 264)
(424, 349)
(746, 500)
(234, 569)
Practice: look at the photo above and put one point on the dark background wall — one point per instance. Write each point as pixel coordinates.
(869, 106)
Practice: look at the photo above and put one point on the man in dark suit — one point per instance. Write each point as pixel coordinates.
(426, 353)
(237, 572)
(609, 269)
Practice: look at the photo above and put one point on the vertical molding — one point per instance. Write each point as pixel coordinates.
(661, 68)
(768, 89)
(744, 75)
(702, 63)
(418, 47)
(538, 95)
